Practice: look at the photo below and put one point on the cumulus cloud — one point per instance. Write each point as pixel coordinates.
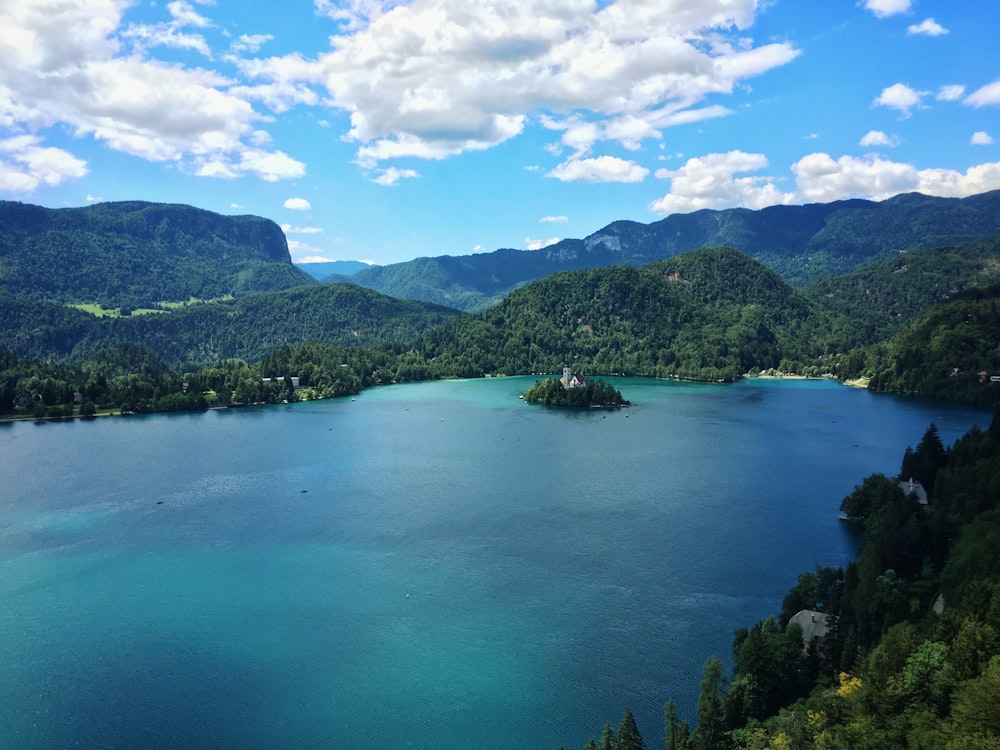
(434, 78)
(531, 244)
(981, 138)
(99, 82)
(878, 138)
(710, 181)
(927, 27)
(305, 253)
(297, 204)
(600, 169)
(900, 97)
(984, 97)
(821, 178)
(26, 165)
(886, 8)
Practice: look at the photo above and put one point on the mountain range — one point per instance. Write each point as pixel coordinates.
(197, 288)
(801, 243)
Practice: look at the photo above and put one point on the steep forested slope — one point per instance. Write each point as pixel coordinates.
(882, 297)
(133, 254)
(708, 314)
(246, 327)
(802, 243)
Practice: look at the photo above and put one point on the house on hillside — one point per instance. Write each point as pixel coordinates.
(279, 381)
(815, 626)
(913, 487)
(571, 379)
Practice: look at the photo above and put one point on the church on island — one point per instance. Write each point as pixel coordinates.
(571, 379)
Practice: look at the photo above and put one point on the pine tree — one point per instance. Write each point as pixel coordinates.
(608, 738)
(710, 732)
(677, 734)
(628, 734)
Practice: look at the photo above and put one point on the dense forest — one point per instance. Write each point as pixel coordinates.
(910, 653)
(136, 255)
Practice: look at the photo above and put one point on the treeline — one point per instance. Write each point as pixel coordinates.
(911, 657)
(131, 378)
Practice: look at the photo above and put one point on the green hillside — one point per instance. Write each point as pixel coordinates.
(709, 314)
(135, 254)
(245, 328)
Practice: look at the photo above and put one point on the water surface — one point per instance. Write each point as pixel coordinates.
(435, 565)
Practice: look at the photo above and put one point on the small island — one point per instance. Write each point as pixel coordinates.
(574, 390)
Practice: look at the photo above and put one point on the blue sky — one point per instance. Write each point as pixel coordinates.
(381, 131)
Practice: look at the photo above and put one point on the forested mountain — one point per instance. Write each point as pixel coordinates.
(882, 297)
(135, 254)
(708, 314)
(247, 327)
(802, 243)
(950, 350)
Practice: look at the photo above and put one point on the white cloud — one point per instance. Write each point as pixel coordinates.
(950, 93)
(985, 96)
(600, 169)
(94, 198)
(434, 78)
(300, 251)
(25, 165)
(886, 8)
(878, 138)
(531, 244)
(821, 179)
(250, 42)
(710, 182)
(297, 204)
(927, 27)
(900, 97)
(553, 219)
(313, 259)
(289, 229)
(981, 138)
(392, 175)
(478, 249)
(99, 82)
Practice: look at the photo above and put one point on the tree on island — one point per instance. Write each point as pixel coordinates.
(552, 392)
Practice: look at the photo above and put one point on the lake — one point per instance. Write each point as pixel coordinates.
(433, 565)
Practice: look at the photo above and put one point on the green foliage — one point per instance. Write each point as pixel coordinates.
(706, 315)
(949, 351)
(131, 254)
(551, 392)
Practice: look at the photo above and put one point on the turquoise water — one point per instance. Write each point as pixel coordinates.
(434, 565)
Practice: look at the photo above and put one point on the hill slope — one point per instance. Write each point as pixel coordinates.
(802, 243)
(245, 328)
(708, 314)
(133, 254)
